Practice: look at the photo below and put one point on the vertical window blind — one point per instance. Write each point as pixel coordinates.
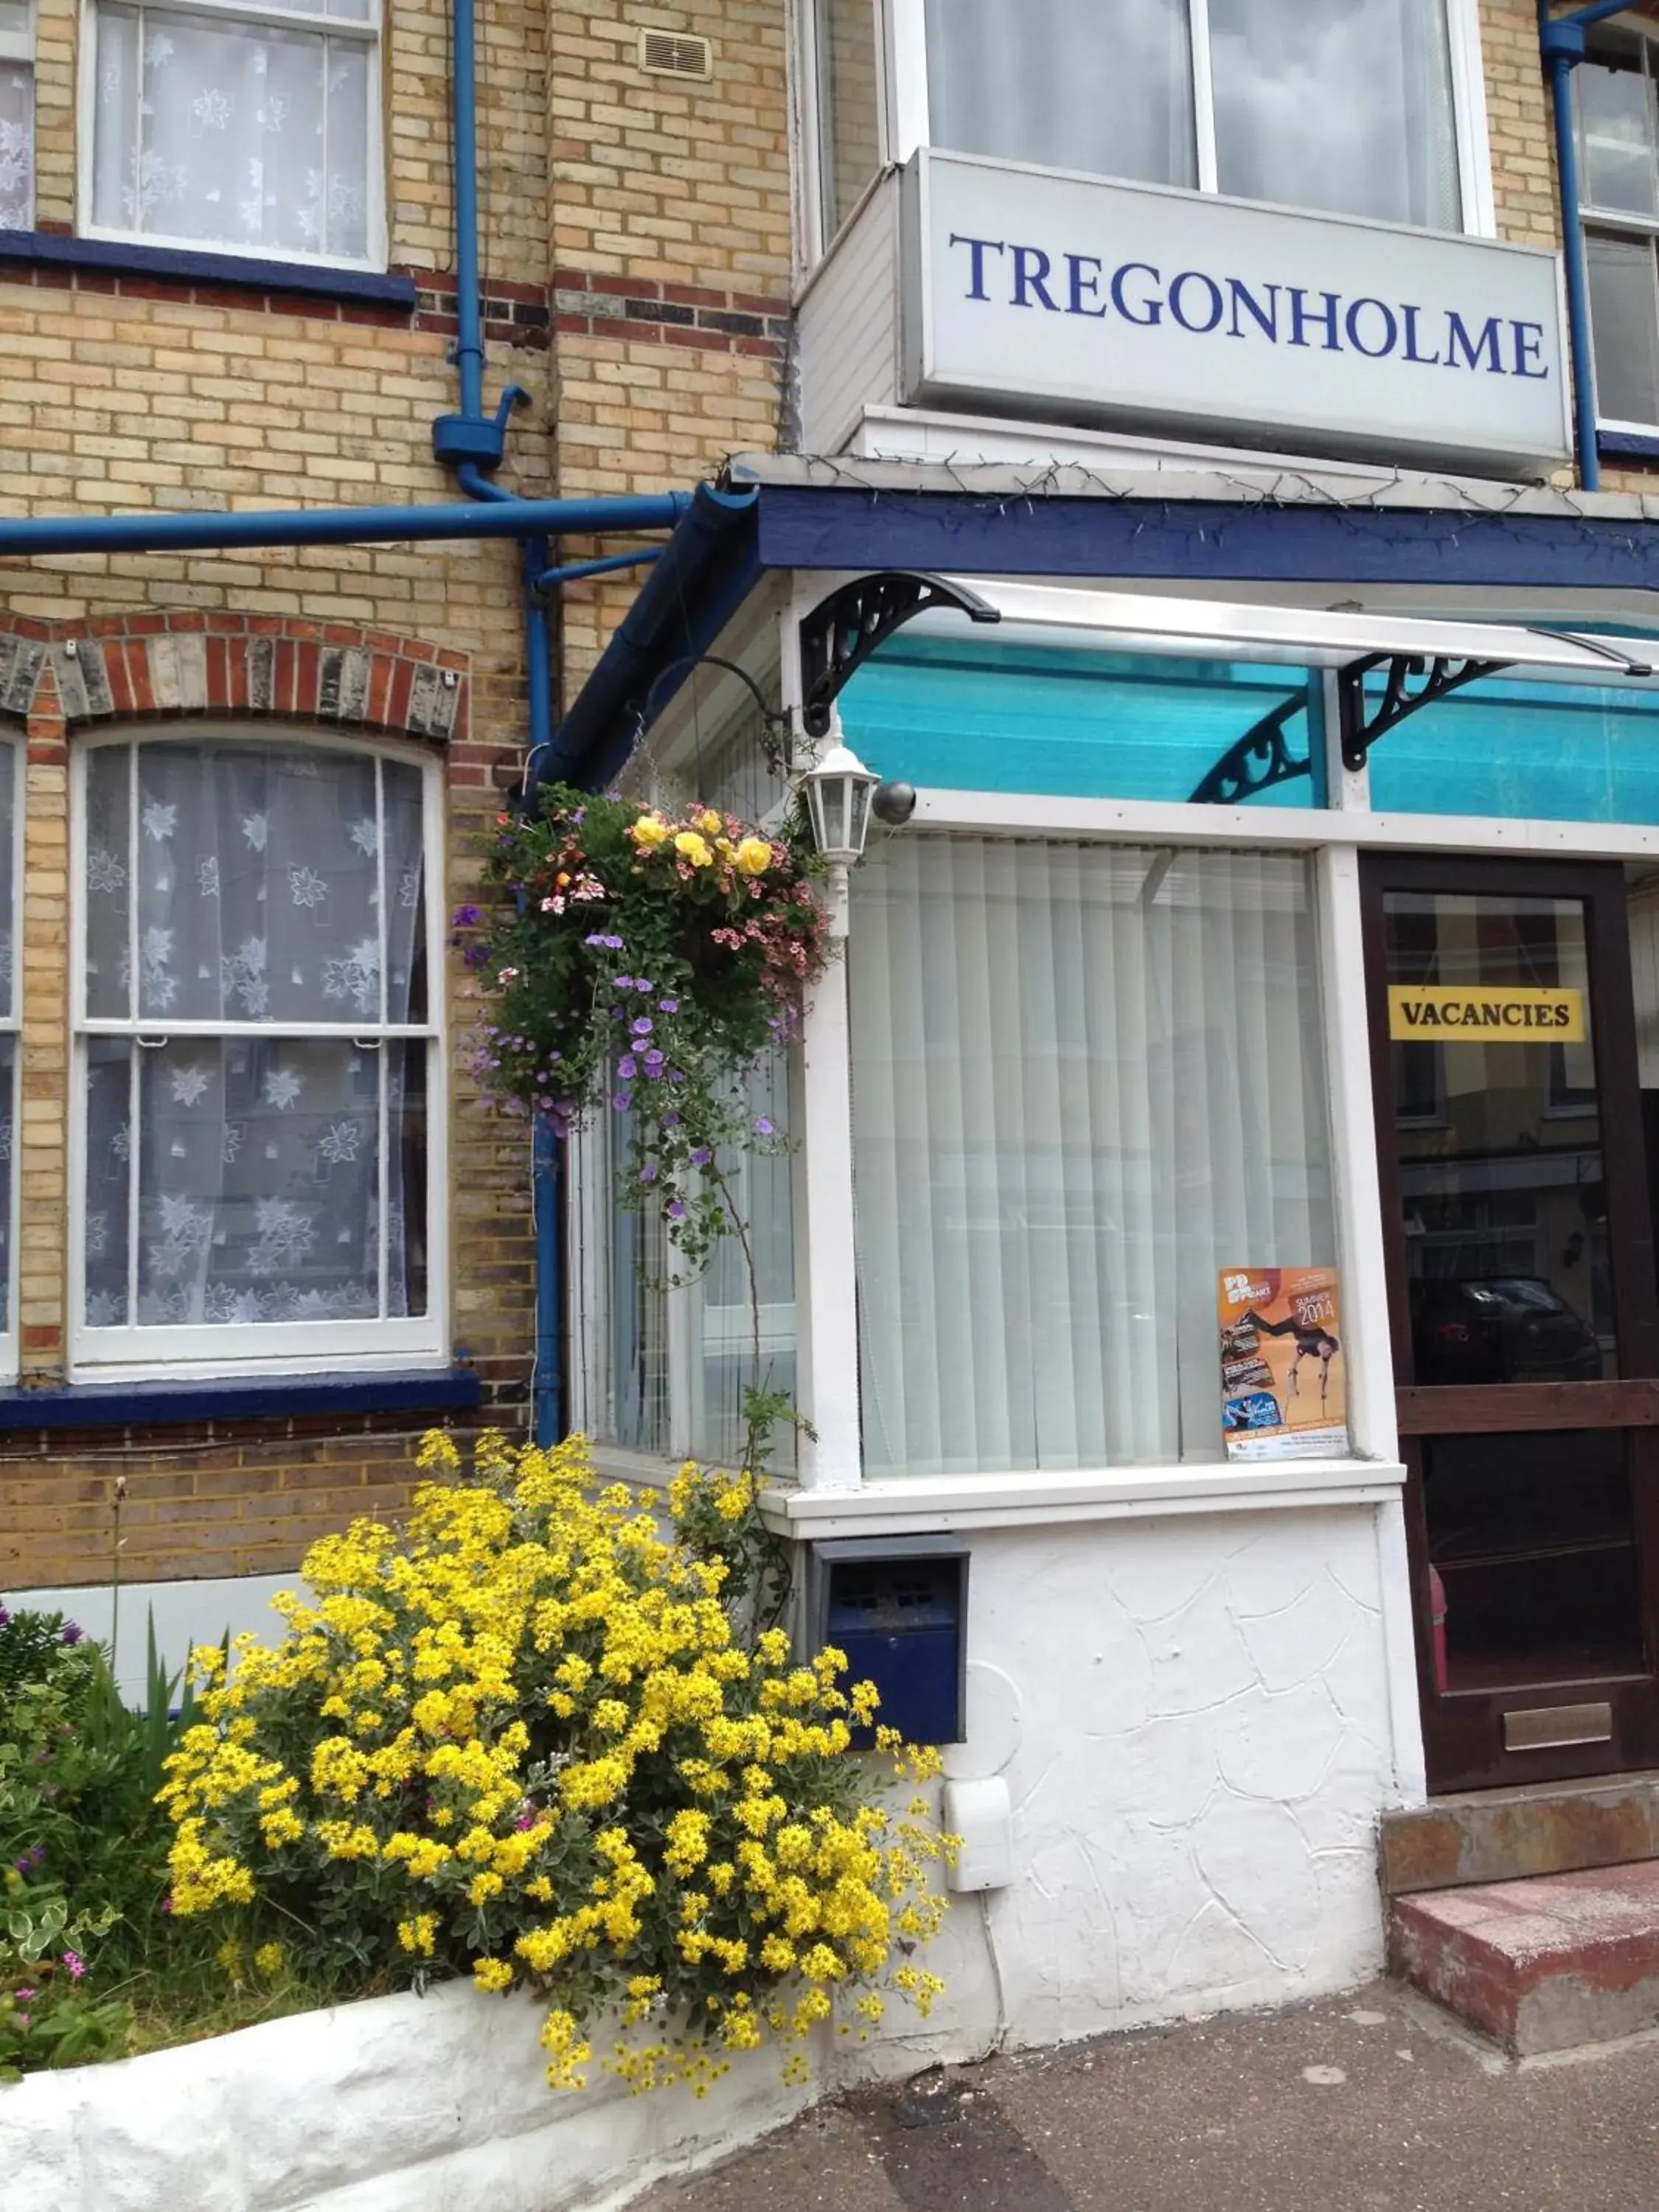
(1084, 1079)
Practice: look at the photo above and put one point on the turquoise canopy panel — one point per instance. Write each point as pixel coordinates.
(1510, 749)
(969, 715)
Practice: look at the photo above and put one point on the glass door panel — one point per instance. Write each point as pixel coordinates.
(1503, 1190)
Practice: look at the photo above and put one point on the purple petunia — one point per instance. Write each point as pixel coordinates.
(763, 1126)
(622, 983)
(643, 983)
(626, 1067)
(620, 1101)
(642, 1027)
(73, 1632)
(648, 1171)
(5, 1616)
(701, 1156)
(466, 917)
(677, 1210)
(668, 1005)
(604, 941)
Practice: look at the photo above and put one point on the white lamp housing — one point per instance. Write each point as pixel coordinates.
(838, 789)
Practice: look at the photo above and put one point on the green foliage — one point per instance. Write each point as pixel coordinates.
(82, 1842)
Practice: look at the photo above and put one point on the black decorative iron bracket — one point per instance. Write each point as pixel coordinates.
(1412, 681)
(843, 631)
(1256, 762)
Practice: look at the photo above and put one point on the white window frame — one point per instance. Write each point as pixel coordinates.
(11, 1025)
(1620, 222)
(19, 46)
(902, 60)
(137, 1351)
(370, 32)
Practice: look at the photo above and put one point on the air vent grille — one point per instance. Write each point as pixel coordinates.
(667, 53)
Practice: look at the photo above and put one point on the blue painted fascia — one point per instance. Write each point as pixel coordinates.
(1628, 445)
(238, 1398)
(705, 572)
(1216, 540)
(172, 264)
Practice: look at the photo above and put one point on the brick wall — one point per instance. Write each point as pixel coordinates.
(636, 256)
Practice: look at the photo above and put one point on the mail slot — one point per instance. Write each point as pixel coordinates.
(898, 1609)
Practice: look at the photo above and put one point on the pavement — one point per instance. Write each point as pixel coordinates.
(1373, 2102)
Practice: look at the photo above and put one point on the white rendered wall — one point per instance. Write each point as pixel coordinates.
(185, 1614)
(1192, 1716)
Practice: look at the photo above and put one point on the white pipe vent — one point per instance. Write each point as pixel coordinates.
(672, 53)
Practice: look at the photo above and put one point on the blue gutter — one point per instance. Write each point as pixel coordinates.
(576, 569)
(704, 571)
(498, 515)
(1561, 41)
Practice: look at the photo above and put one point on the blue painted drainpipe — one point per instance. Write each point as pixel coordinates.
(1561, 41)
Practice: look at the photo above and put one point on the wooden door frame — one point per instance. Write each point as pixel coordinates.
(1458, 1726)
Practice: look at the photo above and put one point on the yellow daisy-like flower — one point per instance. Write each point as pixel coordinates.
(491, 1974)
(754, 856)
(268, 1958)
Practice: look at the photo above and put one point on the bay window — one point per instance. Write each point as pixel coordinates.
(258, 1083)
(1352, 108)
(11, 1010)
(666, 1354)
(249, 129)
(1085, 1079)
(1617, 129)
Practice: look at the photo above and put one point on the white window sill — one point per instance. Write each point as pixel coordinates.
(936, 1504)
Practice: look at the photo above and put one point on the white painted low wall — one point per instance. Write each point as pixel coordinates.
(400, 2103)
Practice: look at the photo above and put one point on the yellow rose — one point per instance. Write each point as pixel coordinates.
(694, 848)
(708, 822)
(754, 856)
(648, 832)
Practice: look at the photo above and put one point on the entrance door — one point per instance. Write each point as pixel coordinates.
(1525, 1339)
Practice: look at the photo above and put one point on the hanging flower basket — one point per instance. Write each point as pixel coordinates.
(644, 963)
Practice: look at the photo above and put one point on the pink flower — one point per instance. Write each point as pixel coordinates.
(74, 1965)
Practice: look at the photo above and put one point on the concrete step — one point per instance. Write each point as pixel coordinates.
(1542, 1965)
(1502, 1835)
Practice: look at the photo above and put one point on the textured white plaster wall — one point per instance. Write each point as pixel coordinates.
(1193, 1719)
(402, 2104)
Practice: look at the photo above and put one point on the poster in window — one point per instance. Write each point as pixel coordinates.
(1284, 1379)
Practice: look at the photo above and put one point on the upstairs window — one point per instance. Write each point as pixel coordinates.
(1349, 107)
(1614, 114)
(247, 129)
(16, 115)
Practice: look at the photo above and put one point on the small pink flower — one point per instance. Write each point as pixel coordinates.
(74, 1965)
(24, 1996)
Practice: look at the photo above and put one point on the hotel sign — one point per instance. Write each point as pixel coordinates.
(1037, 292)
(1470, 1014)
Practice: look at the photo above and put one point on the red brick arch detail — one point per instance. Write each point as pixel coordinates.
(56, 677)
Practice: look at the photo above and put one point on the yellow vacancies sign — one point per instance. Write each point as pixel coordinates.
(1475, 1013)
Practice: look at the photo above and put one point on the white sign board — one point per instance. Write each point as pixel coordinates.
(1036, 292)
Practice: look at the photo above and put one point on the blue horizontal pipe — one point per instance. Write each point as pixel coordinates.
(576, 570)
(1597, 13)
(505, 517)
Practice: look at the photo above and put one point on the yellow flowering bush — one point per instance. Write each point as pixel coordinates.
(528, 1739)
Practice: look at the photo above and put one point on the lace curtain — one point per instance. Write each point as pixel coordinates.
(269, 1176)
(229, 133)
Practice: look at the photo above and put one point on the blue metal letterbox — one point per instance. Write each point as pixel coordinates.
(899, 1609)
